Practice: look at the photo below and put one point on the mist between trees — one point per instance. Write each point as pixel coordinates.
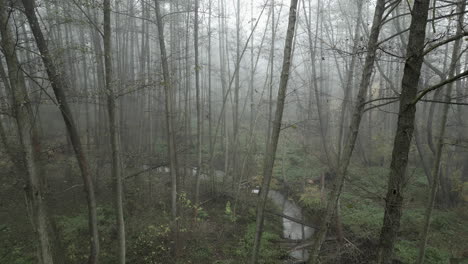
(244, 131)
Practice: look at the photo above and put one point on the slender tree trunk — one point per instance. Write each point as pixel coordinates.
(313, 44)
(417, 141)
(236, 120)
(404, 132)
(461, 4)
(59, 86)
(169, 124)
(210, 114)
(114, 134)
(272, 146)
(99, 74)
(222, 62)
(9, 147)
(344, 109)
(358, 110)
(199, 113)
(30, 147)
(252, 71)
(349, 77)
(272, 69)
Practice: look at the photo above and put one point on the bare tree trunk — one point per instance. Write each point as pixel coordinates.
(404, 132)
(419, 147)
(29, 141)
(86, 93)
(272, 146)
(9, 147)
(349, 77)
(210, 114)
(252, 72)
(313, 44)
(199, 113)
(344, 109)
(169, 125)
(222, 62)
(461, 4)
(114, 134)
(272, 69)
(59, 85)
(235, 107)
(319, 236)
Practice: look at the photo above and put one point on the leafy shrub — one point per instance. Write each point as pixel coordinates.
(201, 254)
(269, 252)
(311, 197)
(151, 246)
(228, 213)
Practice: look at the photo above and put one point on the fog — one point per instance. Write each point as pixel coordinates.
(243, 131)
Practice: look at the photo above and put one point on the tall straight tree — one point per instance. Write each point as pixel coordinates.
(114, 134)
(349, 76)
(210, 114)
(30, 147)
(272, 68)
(59, 85)
(358, 110)
(273, 144)
(169, 123)
(199, 103)
(404, 131)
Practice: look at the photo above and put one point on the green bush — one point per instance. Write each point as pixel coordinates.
(311, 197)
(269, 251)
(151, 246)
(201, 254)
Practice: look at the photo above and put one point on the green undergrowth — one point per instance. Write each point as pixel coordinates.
(216, 236)
(13, 249)
(407, 252)
(269, 251)
(362, 209)
(362, 206)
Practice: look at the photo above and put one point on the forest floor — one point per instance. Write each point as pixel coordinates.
(217, 235)
(362, 204)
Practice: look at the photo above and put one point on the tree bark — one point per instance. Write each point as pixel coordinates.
(272, 146)
(272, 69)
(116, 170)
(59, 85)
(313, 44)
(210, 114)
(349, 77)
(199, 113)
(29, 141)
(319, 236)
(404, 132)
(169, 108)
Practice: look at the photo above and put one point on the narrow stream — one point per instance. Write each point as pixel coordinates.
(291, 230)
